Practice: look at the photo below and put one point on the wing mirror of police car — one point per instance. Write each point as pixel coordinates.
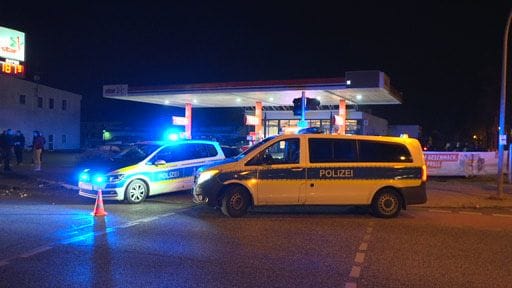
(160, 162)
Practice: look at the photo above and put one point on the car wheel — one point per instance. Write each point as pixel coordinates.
(235, 202)
(136, 192)
(386, 203)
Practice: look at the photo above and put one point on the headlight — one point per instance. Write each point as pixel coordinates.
(206, 175)
(115, 178)
(84, 176)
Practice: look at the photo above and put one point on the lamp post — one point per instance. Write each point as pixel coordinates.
(502, 133)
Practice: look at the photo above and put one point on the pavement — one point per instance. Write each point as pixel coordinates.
(442, 192)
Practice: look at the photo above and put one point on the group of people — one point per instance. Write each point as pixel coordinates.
(12, 142)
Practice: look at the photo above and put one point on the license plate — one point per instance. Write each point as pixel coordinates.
(85, 186)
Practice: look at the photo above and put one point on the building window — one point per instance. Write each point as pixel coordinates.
(40, 102)
(50, 103)
(23, 99)
(64, 104)
(64, 139)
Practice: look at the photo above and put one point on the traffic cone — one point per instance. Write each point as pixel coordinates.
(98, 206)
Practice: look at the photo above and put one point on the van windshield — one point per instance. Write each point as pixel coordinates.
(135, 153)
(254, 147)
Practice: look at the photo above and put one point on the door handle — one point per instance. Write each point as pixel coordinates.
(297, 169)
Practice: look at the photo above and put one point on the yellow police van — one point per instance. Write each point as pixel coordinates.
(148, 168)
(385, 173)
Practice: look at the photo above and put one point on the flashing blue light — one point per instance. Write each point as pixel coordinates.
(302, 124)
(172, 135)
(84, 176)
(99, 178)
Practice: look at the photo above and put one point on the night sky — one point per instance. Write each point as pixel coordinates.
(444, 57)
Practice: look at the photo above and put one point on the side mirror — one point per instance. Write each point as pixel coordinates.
(160, 162)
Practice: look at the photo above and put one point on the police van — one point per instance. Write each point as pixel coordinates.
(385, 173)
(148, 168)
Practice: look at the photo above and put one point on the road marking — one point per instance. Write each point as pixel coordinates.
(502, 215)
(439, 211)
(359, 257)
(35, 251)
(129, 224)
(356, 271)
(149, 219)
(82, 237)
(470, 213)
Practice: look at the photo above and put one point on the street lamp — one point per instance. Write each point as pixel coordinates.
(502, 138)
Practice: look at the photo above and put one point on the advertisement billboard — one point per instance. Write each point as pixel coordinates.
(12, 44)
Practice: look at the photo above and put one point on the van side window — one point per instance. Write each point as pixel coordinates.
(372, 151)
(282, 152)
(332, 150)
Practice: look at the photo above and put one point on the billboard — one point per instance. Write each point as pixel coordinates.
(462, 163)
(12, 44)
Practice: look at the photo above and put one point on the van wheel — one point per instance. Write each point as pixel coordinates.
(235, 202)
(386, 203)
(136, 192)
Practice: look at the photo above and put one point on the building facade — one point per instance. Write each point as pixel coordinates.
(29, 106)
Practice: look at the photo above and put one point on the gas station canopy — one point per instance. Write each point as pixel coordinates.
(357, 87)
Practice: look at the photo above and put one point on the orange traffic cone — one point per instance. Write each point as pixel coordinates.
(98, 207)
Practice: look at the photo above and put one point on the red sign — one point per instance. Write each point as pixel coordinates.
(251, 120)
(179, 120)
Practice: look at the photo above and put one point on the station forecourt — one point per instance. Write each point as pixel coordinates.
(279, 106)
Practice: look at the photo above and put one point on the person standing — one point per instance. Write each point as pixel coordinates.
(37, 147)
(19, 145)
(7, 143)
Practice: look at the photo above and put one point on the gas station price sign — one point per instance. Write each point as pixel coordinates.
(10, 68)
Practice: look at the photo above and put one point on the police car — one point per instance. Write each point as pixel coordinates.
(148, 168)
(385, 173)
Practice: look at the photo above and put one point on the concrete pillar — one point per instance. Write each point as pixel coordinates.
(188, 116)
(343, 117)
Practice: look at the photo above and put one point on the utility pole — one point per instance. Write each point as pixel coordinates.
(502, 138)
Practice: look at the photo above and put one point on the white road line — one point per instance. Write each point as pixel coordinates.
(82, 237)
(470, 213)
(35, 251)
(439, 211)
(363, 246)
(350, 285)
(356, 271)
(149, 219)
(129, 224)
(359, 257)
(502, 215)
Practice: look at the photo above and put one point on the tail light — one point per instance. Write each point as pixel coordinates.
(424, 173)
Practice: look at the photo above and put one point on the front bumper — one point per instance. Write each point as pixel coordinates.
(107, 193)
(208, 192)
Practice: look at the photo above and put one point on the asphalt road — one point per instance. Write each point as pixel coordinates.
(51, 241)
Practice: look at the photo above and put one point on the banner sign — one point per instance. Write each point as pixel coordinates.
(12, 44)
(462, 163)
